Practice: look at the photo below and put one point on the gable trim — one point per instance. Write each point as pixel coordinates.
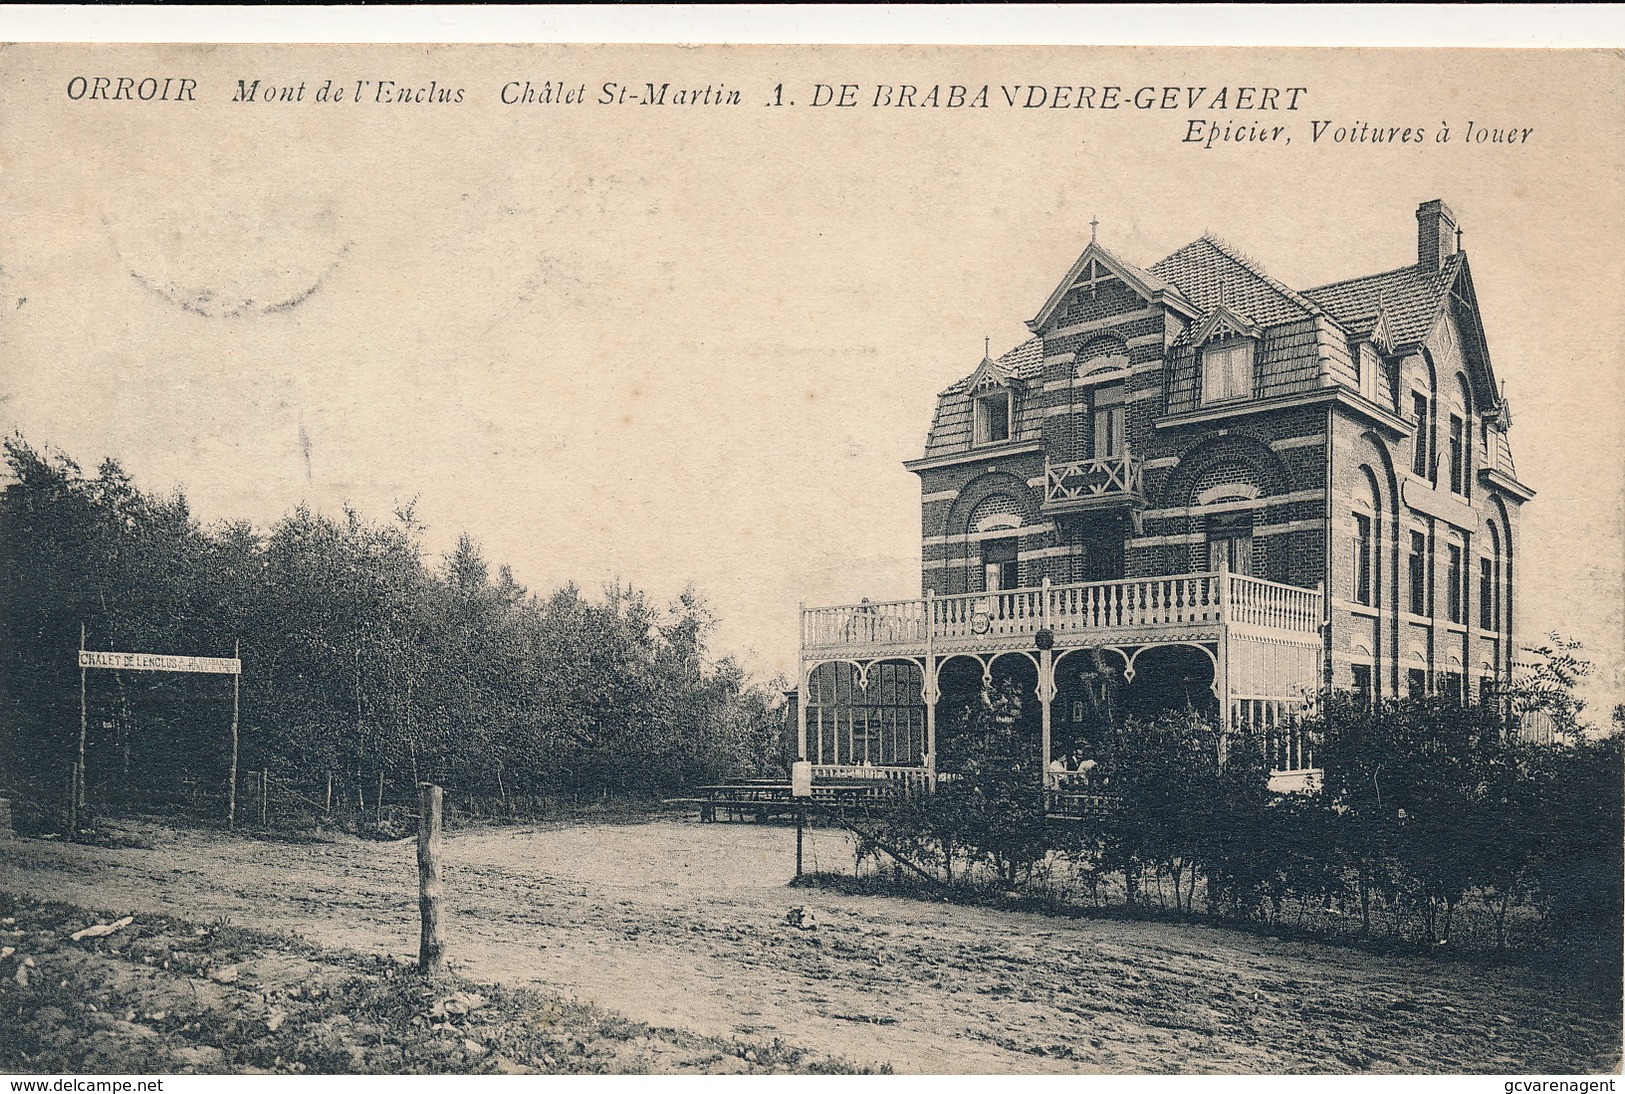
(1222, 322)
(1151, 293)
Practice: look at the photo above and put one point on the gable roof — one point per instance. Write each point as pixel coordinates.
(990, 374)
(1025, 362)
(1209, 272)
(1412, 298)
(1147, 284)
(1221, 321)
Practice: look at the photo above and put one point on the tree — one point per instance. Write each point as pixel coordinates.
(992, 806)
(364, 660)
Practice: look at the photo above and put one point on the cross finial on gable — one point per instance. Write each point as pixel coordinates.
(1458, 239)
(987, 345)
(1094, 227)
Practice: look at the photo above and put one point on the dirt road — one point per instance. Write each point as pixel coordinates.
(683, 925)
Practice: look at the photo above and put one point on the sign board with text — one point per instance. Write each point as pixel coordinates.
(158, 662)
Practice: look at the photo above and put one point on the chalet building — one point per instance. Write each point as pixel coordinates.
(1194, 487)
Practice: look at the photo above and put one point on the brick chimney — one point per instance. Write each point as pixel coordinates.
(1435, 234)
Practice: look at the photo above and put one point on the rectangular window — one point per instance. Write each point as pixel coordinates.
(1416, 683)
(1453, 596)
(1107, 421)
(1458, 456)
(993, 418)
(1419, 443)
(1450, 684)
(1360, 570)
(1000, 568)
(1362, 682)
(1227, 371)
(1486, 595)
(1230, 542)
(1419, 574)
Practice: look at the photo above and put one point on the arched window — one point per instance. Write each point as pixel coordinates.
(1455, 592)
(1365, 533)
(1460, 472)
(994, 523)
(1489, 582)
(1416, 565)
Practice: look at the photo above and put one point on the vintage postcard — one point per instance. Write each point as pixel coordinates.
(561, 559)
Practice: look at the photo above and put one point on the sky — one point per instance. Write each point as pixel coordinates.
(675, 345)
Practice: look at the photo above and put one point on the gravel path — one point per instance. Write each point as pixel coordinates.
(683, 925)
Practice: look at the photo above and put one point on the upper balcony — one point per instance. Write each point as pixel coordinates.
(1072, 485)
(1180, 607)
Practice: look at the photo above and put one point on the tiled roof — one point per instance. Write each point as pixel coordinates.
(1025, 362)
(1146, 277)
(1210, 272)
(1412, 297)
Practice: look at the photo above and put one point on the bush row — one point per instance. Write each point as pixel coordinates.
(1425, 804)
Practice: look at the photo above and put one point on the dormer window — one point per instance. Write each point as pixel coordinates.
(1368, 363)
(992, 417)
(1227, 370)
(1227, 342)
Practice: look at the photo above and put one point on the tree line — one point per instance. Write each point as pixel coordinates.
(366, 662)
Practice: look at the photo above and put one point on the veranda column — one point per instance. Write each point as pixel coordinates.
(1046, 696)
(1221, 663)
(929, 691)
(1046, 677)
(802, 677)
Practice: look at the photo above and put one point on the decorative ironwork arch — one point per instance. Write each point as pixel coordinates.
(1212, 656)
(863, 668)
(1064, 654)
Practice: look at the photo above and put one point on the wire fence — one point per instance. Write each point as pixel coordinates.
(382, 803)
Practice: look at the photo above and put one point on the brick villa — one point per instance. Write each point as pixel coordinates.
(1194, 486)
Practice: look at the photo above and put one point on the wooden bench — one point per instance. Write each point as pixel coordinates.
(763, 800)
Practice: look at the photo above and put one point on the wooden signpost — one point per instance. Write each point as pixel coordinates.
(152, 662)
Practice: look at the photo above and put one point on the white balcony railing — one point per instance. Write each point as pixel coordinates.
(1014, 617)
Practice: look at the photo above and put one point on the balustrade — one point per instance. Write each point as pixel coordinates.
(1072, 483)
(1014, 616)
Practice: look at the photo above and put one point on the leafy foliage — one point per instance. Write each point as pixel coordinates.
(1425, 804)
(362, 658)
(993, 806)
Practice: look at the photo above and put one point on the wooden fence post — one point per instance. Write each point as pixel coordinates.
(431, 946)
(77, 813)
(231, 779)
